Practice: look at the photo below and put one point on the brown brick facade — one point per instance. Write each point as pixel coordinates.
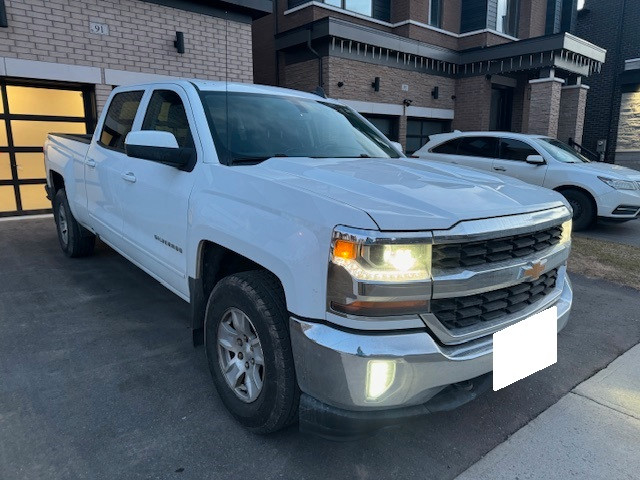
(473, 103)
(544, 113)
(573, 103)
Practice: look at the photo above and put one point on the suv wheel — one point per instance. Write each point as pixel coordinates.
(584, 214)
(249, 351)
(75, 240)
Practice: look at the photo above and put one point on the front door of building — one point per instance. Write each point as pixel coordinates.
(28, 112)
(501, 108)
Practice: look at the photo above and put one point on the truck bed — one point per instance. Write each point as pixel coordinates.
(62, 151)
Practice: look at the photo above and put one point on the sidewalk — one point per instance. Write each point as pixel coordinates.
(593, 432)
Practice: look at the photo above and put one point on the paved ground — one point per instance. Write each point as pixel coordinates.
(592, 432)
(98, 379)
(627, 233)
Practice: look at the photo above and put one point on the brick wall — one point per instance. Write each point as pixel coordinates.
(473, 103)
(140, 38)
(606, 25)
(572, 107)
(357, 78)
(545, 114)
(533, 18)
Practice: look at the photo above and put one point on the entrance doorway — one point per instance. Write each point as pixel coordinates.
(501, 108)
(28, 112)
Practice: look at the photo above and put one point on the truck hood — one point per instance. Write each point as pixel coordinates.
(610, 170)
(404, 194)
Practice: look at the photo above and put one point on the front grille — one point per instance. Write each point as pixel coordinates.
(495, 250)
(471, 310)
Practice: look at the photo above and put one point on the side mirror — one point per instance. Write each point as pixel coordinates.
(159, 147)
(398, 146)
(536, 160)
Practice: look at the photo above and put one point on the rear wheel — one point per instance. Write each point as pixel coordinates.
(249, 350)
(584, 213)
(75, 240)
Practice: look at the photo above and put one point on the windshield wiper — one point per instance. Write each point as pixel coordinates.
(254, 160)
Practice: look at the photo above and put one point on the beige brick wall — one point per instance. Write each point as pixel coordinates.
(544, 109)
(140, 38)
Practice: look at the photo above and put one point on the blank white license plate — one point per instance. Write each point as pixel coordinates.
(525, 348)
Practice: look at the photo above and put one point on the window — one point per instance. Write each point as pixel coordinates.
(435, 13)
(249, 127)
(387, 125)
(166, 113)
(418, 132)
(507, 17)
(478, 147)
(511, 149)
(450, 147)
(119, 119)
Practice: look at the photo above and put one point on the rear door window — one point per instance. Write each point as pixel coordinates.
(450, 147)
(511, 149)
(478, 147)
(119, 119)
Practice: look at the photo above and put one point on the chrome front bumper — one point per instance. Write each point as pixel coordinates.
(335, 366)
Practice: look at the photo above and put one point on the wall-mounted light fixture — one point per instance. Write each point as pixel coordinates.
(407, 102)
(376, 84)
(179, 42)
(3, 15)
(340, 84)
(435, 93)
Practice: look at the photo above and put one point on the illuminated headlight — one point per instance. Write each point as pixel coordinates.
(376, 274)
(383, 262)
(566, 232)
(620, 184)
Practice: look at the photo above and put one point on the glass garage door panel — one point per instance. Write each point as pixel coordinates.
(28, 113)
(30, 133)
(45, 101)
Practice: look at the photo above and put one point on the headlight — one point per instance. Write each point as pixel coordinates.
(377, 274)
(383, 262)
(566, 232)
(619, 184)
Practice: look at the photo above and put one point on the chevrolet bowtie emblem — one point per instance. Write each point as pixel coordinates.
(534, 271)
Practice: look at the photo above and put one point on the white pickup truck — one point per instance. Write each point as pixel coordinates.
(331, 279)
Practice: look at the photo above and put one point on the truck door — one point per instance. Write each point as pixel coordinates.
(155, 196)
(103, 166)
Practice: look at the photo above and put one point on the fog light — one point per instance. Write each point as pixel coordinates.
(380, 377)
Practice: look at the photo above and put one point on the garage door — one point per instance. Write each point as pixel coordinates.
(28, 112)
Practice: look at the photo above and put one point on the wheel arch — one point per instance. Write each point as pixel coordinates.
(213, 263)
(590, 195)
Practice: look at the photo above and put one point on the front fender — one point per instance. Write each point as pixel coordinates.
(284, 229)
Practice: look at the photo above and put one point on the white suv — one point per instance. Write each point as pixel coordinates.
(594, 190)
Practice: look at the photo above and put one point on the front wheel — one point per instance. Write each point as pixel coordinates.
(584, 214)
(75, 240)
(249, 351)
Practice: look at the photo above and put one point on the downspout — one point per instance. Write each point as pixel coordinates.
(317, 55)
(276, 14)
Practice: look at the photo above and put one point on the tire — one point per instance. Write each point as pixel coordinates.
(75, 240)
(272, 403)
(584, 214)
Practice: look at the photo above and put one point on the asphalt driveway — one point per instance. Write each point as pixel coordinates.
(98, 379)
(627, 233)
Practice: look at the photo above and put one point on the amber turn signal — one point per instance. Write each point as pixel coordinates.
(344, 249)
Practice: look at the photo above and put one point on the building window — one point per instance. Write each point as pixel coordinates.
(418, 132)
(435, 13)
(507, 17)
(378, 9)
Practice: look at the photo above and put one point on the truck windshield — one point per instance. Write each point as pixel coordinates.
(249, 128)
(561, 151)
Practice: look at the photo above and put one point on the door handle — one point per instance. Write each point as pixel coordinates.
(129, 177)
(90, 163)
(500, 169)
